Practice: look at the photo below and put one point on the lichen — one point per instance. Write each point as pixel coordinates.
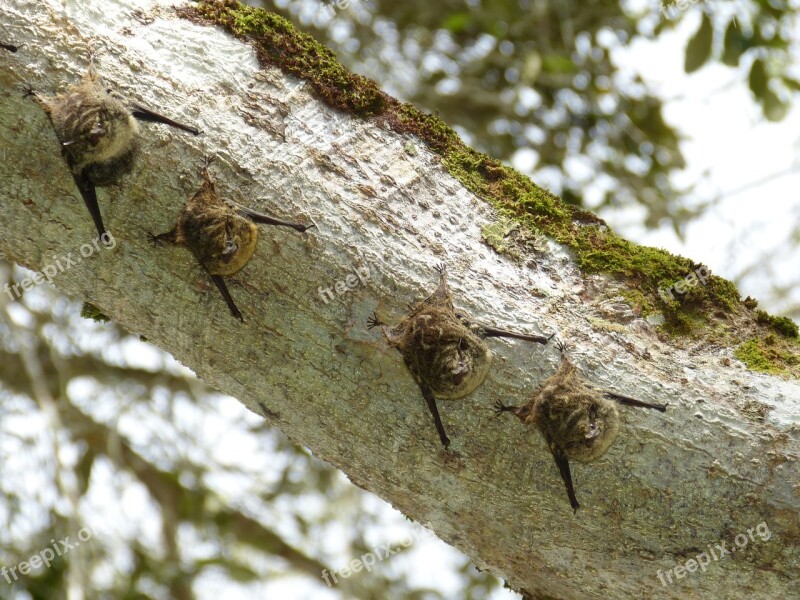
(507, 236)
(698, 311)
(604, 325)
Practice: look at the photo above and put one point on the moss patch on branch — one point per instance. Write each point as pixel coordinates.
(714, 306)
(768, 355)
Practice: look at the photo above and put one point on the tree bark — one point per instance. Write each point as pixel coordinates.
(720, 462)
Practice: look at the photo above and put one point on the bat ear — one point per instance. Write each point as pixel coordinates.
(91, 72)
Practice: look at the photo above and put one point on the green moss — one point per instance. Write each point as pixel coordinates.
(639, 301)
(651, 272)
(783, 325)
(90, 311)
(770, 355)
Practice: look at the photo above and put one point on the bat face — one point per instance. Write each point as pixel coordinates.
(446, 357)
(223, 241)
(439, 348)
(444, 350)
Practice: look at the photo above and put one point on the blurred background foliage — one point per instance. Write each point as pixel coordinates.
(186, 493)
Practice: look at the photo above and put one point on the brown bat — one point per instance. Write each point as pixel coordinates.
(99, 135)
(577, 421)
(221, 234)
(443, 349)
(10, 47)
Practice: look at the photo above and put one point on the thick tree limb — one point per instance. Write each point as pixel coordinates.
(722, 460)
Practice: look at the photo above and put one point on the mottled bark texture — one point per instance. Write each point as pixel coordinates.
(721, 461)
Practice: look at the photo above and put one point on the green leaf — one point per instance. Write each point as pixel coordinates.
(758, 79)
(792, 84)
(735, 45)
(774, 108)
(457, 22)
(699, 48)
(556, 63)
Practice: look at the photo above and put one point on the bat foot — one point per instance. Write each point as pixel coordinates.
(441, 268)
(207, 161)
(154, 239)
(159, 239)
(29, 92)
(374, 321)
(500, 408)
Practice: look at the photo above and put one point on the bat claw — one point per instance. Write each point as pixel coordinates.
(500, 408)
(154, 239)
(29, 91)
(374, 321)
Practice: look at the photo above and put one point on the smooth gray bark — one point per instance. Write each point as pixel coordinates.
(721, 461)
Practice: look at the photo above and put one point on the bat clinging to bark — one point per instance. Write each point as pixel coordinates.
(221, 234)
(99, 135)
(444, 350)
(577, 421)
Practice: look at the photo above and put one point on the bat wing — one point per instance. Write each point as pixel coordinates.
(562, 462)
(258, 217)
(223, 289)
(89, 195)
(143, 113)
(427, 393)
